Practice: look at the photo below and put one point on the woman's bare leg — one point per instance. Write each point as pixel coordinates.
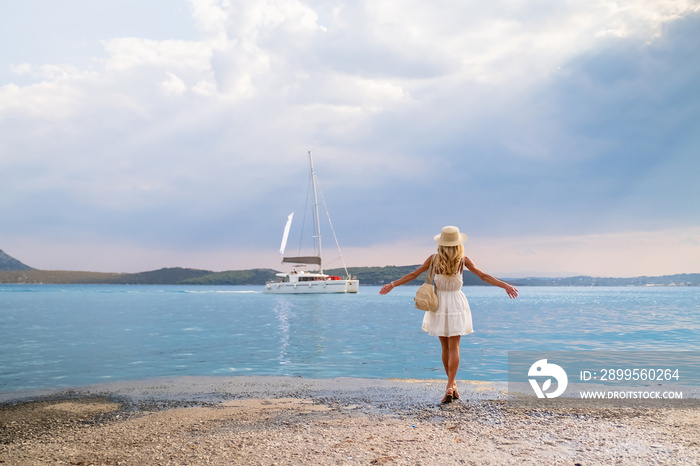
(445, 355)
(450, 359)
(453, 360)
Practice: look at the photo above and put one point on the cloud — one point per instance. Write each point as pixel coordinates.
(506, 118)
(22, 68)
(173, 84)
(132, 53)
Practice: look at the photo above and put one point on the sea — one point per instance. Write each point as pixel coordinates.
(55, 336)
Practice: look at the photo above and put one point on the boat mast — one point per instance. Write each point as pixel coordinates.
(317, 222)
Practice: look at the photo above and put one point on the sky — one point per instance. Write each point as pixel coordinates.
(563, 137)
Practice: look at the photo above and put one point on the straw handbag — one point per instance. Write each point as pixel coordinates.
(426, 298)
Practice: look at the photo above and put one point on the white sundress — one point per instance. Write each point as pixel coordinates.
(453, 316)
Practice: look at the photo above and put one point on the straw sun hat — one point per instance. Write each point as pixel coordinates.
(450, 236)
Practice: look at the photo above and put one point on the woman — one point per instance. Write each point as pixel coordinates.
(453, 317)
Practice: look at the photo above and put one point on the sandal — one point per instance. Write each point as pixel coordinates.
(455, 393)
(448, 396)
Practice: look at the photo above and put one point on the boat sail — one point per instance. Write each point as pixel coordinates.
(300, 281)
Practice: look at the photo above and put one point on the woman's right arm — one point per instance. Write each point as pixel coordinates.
(406, 278)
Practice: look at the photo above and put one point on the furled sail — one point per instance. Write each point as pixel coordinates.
(283, 246)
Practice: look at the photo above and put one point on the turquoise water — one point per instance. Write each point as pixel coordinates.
(70, 335)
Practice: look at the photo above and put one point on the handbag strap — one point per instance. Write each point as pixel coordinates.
(429, 276)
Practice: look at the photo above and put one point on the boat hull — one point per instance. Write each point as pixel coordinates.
(313, 287)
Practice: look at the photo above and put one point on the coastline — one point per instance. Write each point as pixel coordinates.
(291, 420)
(368, 276)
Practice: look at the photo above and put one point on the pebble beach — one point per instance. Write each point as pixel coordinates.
(281, 420)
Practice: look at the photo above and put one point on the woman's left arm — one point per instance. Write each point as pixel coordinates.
(510, 289)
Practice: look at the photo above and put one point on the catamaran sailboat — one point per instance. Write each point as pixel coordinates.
(300, 281)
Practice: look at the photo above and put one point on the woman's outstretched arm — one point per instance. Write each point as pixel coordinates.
(406, 278)
(510, 289)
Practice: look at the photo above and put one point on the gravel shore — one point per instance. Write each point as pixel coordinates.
(277, 420)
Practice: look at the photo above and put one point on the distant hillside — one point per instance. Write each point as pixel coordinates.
(366, 275)
(166, 276)
(157, 277)
(10, 263)
(61, 277)
(234, 277)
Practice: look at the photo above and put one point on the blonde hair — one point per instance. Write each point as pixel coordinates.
(448, 259)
